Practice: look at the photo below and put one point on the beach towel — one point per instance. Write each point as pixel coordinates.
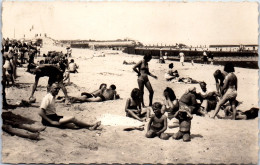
(116, 120)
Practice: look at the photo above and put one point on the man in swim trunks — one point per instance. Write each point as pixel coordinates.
(54, 74)
(229, 90)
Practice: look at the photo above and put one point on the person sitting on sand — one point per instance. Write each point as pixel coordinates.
(107, 94)
(73, 66)
(219, 78)
(158, 123)
(170, 74)
(96, 93)
(188, 101)
(229, 90)
(50, 117)
(184, 118)
(133, 106)
(54, 74)
(207, 98)
(66, 78)
(142, 70)
(171, 103)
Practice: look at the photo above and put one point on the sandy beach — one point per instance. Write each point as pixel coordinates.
(213, 141)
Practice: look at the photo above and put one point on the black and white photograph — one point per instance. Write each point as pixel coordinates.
(129, 82)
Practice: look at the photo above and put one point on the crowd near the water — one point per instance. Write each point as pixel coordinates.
(178, 112)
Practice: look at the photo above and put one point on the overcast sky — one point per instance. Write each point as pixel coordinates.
(148, 22)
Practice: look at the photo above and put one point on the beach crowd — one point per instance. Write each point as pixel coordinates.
(178, 112)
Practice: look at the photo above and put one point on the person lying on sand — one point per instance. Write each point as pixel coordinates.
(55, 75)
(20, 126)
(240, 115)
(229, 90)
(171, 74)
(158, 123)
(129, 63)
(107, 94)
(207, 98)
(50, 117)
(186, 80)
(133, 106)
(96, 93)
(184, 118)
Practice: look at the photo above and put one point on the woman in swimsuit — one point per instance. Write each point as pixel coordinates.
(171, 104)
(142, 70)
(229, 90)
(133, 106)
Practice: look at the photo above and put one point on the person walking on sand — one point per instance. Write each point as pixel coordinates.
(142, 70)
(50, 117)
(181, 55)
(229, 90)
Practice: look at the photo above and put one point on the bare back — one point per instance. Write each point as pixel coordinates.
(109, 94)
(231, 81)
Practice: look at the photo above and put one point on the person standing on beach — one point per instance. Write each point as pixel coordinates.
(142, 70)
(229, 90)
(181, 55)
(205, 57)
(219, 78)
(54, 73)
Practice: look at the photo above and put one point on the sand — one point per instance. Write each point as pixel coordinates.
(213, 141)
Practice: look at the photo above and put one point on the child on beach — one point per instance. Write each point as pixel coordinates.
(157, 124)
(133, 106)
(184, 118)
